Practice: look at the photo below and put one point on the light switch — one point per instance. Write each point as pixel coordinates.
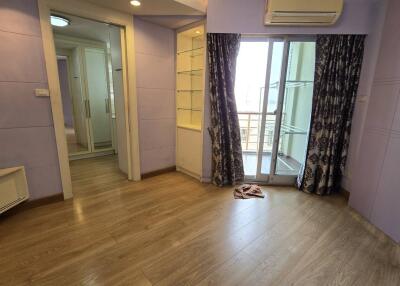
(42, 92)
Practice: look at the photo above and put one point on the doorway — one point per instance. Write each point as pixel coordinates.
(89, 60)
(124, 22)
(273, 89)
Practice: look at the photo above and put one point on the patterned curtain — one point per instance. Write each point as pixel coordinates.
(227, 162)
(337, 73)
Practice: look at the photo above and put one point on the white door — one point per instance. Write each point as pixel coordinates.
(80, 142)
(99, 101)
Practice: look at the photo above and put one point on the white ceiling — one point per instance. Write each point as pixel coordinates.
(97, 31)
(167, 13)
(156, 7)
(172, 22)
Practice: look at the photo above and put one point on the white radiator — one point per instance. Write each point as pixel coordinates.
(13, 187)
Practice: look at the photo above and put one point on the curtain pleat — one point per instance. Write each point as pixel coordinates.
(337, 74)
(227, 162)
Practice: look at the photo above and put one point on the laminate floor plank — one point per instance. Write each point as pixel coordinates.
(173, 230)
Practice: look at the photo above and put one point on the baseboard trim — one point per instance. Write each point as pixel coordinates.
(159, 172)
(205, 180)
(91, 155)
(345, 193)
(33, 204)
(189, 173)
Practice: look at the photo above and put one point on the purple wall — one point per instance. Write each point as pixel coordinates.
(376, 184)
(359, 17)
(22, 70)
(371, 53)
(65, 95)
(26, 124)
(238, 16)
(155, 74)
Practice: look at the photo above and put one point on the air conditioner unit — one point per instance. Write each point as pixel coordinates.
(13, 187)
(302, 12)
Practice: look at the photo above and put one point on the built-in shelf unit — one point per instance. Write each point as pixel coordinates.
(190, 74)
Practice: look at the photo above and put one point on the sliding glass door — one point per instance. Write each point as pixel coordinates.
(274, 81)
(249, 90)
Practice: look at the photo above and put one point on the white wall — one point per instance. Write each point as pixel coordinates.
(155, 67)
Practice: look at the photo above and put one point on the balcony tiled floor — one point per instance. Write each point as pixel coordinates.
(286, 165)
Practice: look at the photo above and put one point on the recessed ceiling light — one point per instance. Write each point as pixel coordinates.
(135, 3)
(59, 21)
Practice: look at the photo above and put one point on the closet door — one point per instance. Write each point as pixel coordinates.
(99, 100)
(386, 212)
(78, 138)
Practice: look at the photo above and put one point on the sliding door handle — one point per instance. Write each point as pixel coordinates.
(87, 108)
(107, 105)
(90, 111)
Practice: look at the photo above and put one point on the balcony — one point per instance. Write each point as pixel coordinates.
(250, 128)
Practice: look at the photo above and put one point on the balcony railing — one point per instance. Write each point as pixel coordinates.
(250, 128)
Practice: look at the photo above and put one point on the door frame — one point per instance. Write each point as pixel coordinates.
(97, 13)
(268, 178)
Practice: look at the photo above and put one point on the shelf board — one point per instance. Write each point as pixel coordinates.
(196, 72)
(189, 90)
(189, 109)
(198, 36)
(292, 83)
(195, 52)
(189, 127)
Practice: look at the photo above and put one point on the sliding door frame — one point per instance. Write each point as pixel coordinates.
(264, 110)
(281, 90)
(272, 178)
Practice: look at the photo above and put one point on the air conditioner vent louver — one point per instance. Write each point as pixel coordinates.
(303, 17)
(302, 13)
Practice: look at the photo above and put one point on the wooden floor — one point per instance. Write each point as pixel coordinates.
(172, 230)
